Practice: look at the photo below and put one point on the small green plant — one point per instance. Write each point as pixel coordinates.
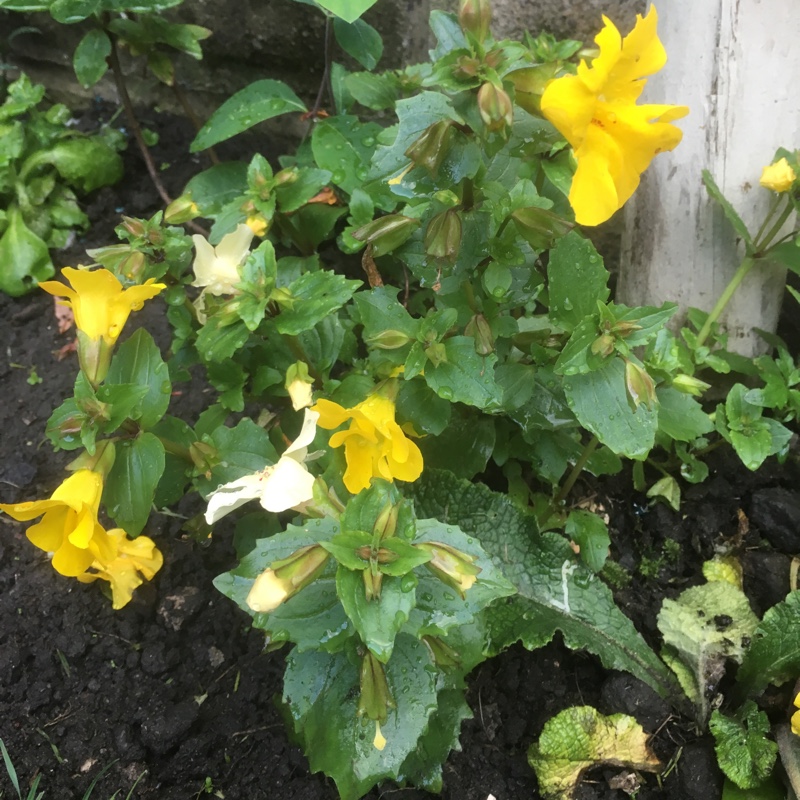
(42, 164)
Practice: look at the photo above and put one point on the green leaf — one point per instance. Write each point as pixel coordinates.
(172, 485)
(85, 162)
(715, 194)
(89, 59)
(71, 11)
(348, 10)
(580, 738)
(415, 114)
(680, 416)
(377, 621)
(360, 40)
(423, 767)
(218, 185)
(465, 377)
(131, 483)
(600, 402)
(24, 257)
(464, 447)
(339, 146)
(321, 692)
(771, 790)
(241, 451)
(744, 753)
(774, 653)
(380, 311)
(577, 280)
(417, 404)
(314, 618)
(309, 183)
(218, 340)
(590, 533)
(315, 296)
(704, 627)
(438, 607)
(373, 91)
(787, 254)
(557, 591)
(138, 361)
(255, 103)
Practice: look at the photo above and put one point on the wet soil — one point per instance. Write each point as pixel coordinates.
(174, 694)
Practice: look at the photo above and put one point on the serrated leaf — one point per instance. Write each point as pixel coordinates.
(577, 280)
(314, 618)
(600, 402)
(744, 753)
(377, 621)
(321, 692)
(704, 627)
(315, 296)
(680, 416)
(557, 591)
(580, 738)
(218, 341)
(138, 361)
(465, 377)
(774, 653)
(255, 103)
(338, 147)
(131, 484)
(240, 451)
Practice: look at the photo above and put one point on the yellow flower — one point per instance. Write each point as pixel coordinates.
(120, 563)
(70, 521)
(778, 176)
(379, 742)
(374, 444)
(613, 138)
(796, 717)
(99, 303)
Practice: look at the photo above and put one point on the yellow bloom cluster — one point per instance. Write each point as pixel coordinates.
(71, 531)
(374, 444)
(613, 138)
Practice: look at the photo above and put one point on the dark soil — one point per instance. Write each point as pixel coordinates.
(175, 692)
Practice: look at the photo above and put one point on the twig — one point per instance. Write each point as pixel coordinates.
(119, 79)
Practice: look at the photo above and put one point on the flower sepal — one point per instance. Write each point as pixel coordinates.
(286, 577)
(451, 566)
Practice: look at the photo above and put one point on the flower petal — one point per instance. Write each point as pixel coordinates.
(230, 496)
(306, 435)
(288, 485)
(331, 415)
(235, 247)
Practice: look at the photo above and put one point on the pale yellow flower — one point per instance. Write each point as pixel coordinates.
(778, 177)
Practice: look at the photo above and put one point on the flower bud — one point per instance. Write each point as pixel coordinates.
(778, 177)
(135, 227)
(437, 353)
(299, 384)
(690, 385)
(431, 148)
(257, 224)
(388, 340)
(375, 699)
(182, 209)
(386, 233)
(475, 17)
(495, 107)
(603, 345)
(443, 236)
(641, 388)
(540, 227)
(204, 456)
(443, 655)
(478, 327)
(285, 578)
(100, 461)
(386, 523)
(133, 265)
(286, 177)
(453, 567)
(373, 582)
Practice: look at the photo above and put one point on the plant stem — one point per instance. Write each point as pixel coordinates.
(767, 240)
(119, 79)
(724, 298)
(573, 476)
(764, 224)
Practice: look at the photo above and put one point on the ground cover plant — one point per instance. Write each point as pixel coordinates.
(422, 307)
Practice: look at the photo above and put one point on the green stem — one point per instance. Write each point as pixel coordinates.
(767, 240)
(776, 201)
(573, 476)
(724, 298)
